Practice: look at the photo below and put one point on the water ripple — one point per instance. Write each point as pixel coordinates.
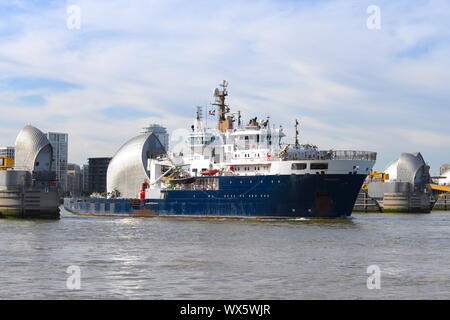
(141, 258)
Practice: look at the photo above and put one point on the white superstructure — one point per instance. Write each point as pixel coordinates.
(253, 148)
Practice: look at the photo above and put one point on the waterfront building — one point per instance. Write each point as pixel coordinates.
(160, 132)
(97, 174)
(59, 142)
(444, 178)
(74, 179)
(7, 152)
(85, 179)
(444, 170)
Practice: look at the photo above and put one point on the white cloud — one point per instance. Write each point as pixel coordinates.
(353, 87)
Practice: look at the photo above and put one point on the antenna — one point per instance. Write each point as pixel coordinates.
(199, 113)
(199, 117)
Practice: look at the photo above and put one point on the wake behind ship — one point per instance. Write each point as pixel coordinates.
(233, 170)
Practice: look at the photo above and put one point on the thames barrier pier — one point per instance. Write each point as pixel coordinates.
(28, 188)
(405, 186)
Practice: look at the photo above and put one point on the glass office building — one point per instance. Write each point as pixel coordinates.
(59, 142)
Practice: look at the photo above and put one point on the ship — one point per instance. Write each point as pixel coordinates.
(233, 169)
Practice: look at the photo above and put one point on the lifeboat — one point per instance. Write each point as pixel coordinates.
(209, 172)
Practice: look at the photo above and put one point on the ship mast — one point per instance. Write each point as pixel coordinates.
(199, 118)
(224, 122)
(296, 134)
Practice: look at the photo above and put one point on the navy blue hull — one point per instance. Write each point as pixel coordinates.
(284, 196)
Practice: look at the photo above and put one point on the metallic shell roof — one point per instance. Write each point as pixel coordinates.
(446, 181)
(409, 167)
(128, 168)
(391, 169)
(33, 150)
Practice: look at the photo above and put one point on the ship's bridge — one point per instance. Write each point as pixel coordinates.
(199, 139)
(255, 138)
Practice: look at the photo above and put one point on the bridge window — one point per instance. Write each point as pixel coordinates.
(319, 166)
(298, 166)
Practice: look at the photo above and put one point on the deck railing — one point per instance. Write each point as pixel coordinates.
(351, 155)
(334, 155)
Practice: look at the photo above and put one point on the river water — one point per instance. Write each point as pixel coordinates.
(155, 258)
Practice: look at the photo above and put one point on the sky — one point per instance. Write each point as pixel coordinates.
(127, 64)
